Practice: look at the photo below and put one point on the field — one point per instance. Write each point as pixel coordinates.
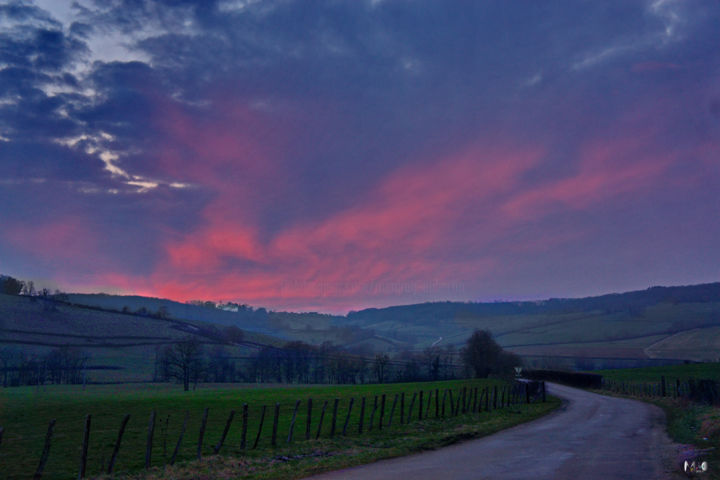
(25, 413)
(653, 374)
(654, 326)
(126, 342)
(694, 425)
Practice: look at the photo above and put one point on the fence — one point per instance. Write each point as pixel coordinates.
(696, 390)
(353, 416)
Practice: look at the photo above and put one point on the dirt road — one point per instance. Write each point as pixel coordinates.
(590, 437)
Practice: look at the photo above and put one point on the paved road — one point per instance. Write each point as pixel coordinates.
(590, 437)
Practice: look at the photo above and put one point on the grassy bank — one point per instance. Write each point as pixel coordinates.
(688, 423)
(316, 456)
(25, 413)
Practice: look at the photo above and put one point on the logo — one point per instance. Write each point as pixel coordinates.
(695, 466)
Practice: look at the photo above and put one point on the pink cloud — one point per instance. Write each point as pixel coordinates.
(402, 232)
(607, 168)
(65, 239)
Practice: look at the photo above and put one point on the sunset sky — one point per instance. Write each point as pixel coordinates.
(337, 155)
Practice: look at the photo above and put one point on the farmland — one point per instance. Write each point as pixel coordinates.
(692, 424)
(26, 411)
(660, 323)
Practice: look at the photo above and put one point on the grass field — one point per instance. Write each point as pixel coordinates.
(653, 374)
(687, 423)
(25, 413)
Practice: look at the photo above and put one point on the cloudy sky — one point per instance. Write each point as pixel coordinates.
(335, 155)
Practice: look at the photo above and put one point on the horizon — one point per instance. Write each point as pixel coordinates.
(220, 302)
(312, 156)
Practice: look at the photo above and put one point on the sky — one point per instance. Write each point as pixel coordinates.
(338, 155)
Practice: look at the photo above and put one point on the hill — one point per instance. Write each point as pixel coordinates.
(121, 346)
(669, 323)
(647, 327)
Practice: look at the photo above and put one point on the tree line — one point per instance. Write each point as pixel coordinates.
(190, 362)
(63, 365)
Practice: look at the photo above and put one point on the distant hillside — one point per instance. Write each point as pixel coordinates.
(660, 322)
(640, 327)
(121, 346)
(255, 320)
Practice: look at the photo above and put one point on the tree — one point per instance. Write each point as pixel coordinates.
(11, 286)
(481, 353)
(381, 361)
(66, 365)
(29, 289)
(183, 360)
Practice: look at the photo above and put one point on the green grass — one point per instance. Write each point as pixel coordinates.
(25, 413)
(316, 456)
(687, 423)
(653, 374)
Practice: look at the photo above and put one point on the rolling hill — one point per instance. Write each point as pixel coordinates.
(122, 333)
(121, 346)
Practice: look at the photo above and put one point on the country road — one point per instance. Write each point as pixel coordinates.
(590, 437)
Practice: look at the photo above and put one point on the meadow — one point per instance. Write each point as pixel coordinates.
(695, 425)
(26, 411)
(653, 374)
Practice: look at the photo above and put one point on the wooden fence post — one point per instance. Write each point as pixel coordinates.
(437, 402)
(116, 449)
(457, 404)
(475, 403)
(464, 403)
(308, 420)
(347, 419)
(85, 443)
(182, 432)
(262, 420)
(203, 424)
(402, 408)
(276, 418)
(45, 452)
(392, 410)
(322, 415)
(410, 409)
(243, 437)
(662, 385)
(292, 422)
(362, 415)
(420, 405)
(148, 444)
(164, 435)
(334, 417)
(443, 402)
(429, 404)
(372, 414)
(382, 412)
(487, 399)
(225, 432)
(452, 404)
(527, 393)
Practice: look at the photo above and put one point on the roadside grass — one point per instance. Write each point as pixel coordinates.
(653, 374)
(26, 411)
(316, 456)
(693, 425)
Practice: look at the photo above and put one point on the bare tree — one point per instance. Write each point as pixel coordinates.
(381, 361)
(183, 360)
